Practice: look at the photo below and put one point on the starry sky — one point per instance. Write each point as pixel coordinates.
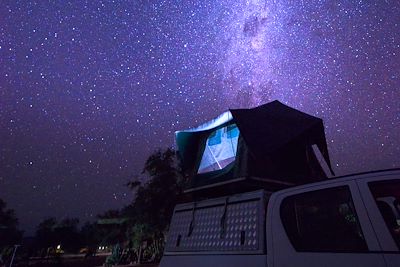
(88, 89)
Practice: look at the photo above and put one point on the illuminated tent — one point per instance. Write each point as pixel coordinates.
(271, 146)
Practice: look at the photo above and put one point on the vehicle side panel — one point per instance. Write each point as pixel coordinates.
(282, 252)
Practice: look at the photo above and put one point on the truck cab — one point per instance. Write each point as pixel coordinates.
(352, 221)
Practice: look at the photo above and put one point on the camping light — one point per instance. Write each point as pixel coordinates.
(59, 247)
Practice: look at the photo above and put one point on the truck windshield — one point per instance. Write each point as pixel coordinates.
(387, 198)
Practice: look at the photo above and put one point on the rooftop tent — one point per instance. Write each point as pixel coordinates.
(271, 144)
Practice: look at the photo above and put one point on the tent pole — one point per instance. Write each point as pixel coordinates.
(219, 166)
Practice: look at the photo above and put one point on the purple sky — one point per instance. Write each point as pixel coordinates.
(89, 90)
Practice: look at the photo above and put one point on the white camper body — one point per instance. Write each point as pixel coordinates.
(348, 221)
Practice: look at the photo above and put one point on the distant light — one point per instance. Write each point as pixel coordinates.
(59, 247)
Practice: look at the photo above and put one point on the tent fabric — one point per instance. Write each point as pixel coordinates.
(274, 142)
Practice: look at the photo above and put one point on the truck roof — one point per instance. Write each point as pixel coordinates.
(367, 174)
(353, 176)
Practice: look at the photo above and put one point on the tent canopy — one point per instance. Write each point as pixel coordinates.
(271, 141)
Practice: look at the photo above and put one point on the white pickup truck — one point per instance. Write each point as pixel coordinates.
(346, 221)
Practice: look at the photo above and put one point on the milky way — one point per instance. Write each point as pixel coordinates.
(89, 89)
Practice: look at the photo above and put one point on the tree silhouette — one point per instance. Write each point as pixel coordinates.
(151, 210)
(45, 236)
(50, 233)
(9, 233)
(67, 234)
(155, 200)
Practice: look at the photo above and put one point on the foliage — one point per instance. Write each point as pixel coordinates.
(51, 233)
(155, 200)
(109, 214)
(10, 235)
(145, 219)
(113, 232)
(45, 236)
(67, 234)
(90, 235)
(139, 232)
(153, 205)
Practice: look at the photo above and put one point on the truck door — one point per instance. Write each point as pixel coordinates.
(381, 196)
(321, 225)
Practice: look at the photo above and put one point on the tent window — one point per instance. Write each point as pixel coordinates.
(232, 131)
(214, 138)
(220, 149)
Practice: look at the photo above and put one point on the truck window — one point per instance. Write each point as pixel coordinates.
(323, 220)
(387, 198)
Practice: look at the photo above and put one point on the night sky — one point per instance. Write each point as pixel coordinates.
(89, 89)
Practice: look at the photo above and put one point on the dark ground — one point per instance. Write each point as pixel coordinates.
(71, 262)
(63, 262)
